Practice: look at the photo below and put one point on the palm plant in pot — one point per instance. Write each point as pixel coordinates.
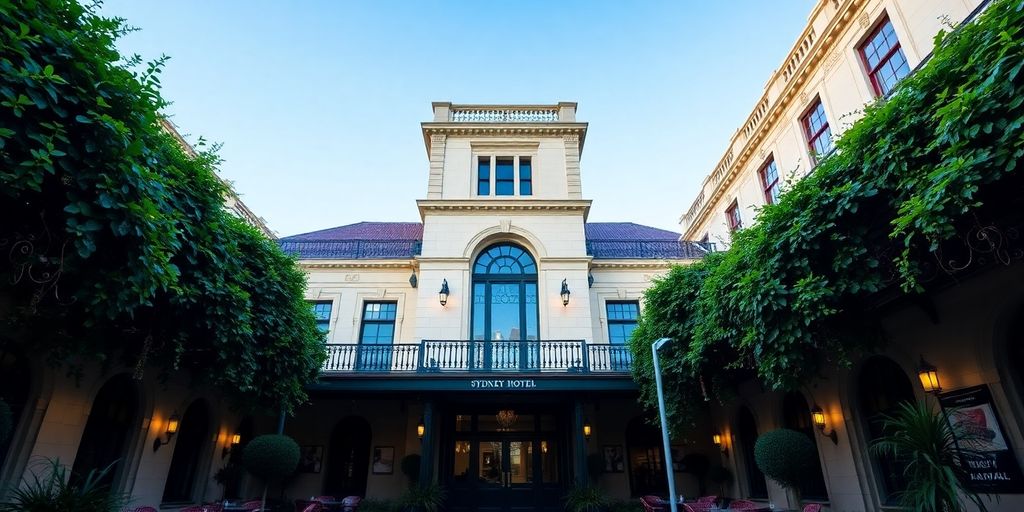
(586, 499)
(422, 498)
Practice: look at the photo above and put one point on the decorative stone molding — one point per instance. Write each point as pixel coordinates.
(357, 264)
(505, 225)
(430, 130)
(637, 264)
(489, 207)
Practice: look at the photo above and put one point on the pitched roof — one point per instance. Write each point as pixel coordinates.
(399, 240)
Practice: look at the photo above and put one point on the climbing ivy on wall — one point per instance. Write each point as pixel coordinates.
(919, 169)
(115, 241)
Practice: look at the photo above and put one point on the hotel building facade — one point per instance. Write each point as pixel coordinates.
(852, 53)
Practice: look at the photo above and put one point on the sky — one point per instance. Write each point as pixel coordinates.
(318, 103)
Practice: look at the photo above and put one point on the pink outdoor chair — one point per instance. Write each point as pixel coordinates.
(743, 505)
(193, 508)
(314, 506)
(710, 500)
(324, 499)
(697, 507)
(252, 505)
(812, 507)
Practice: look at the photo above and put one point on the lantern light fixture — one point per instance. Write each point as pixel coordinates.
(173, 422)
(587, 430)
(420, 429)
(929, 376)
(565, 293)
(718, 440)
(818, 417)
(442, 296)
(236, 439)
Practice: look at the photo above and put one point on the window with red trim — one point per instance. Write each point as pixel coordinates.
(883, 58)
(732, 216)
(817, 131)
(770, 181)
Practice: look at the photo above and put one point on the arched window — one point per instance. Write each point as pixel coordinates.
(189, 449)
(505, 294)
(15, 377)
(746, 430)
(646, 458)
(1015, 352)
(883, 386)
(108, 430)
(348, 458)
(796, 415)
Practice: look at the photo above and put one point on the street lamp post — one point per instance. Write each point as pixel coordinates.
(664, 424)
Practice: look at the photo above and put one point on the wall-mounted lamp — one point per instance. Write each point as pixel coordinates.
(818, 417)
(717, 439)
(420, 429)
(929, 376)
(565, 293)
(413, 281)
(587, 430)
(442, 296)
(172, 428)
(236, 439)
(543, 446)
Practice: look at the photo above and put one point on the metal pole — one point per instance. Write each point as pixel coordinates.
(667, 458)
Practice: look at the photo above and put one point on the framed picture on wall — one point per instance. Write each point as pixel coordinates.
(677, 459)
(383, 460)
(311, 459)
(614, 458)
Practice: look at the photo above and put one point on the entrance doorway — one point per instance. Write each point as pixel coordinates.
(511, 459)
(348, 460)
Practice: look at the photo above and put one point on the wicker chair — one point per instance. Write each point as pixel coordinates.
(252, 505)
(710, 500)
(654, 504)
(193, 508)
(325, 499)
(744, 505)
(314, 506)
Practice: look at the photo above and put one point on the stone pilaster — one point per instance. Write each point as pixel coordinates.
(435, 183)
(572, 166)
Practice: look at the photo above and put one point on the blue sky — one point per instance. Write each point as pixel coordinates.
(318, 104)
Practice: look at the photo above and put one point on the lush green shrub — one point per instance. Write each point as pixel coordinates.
(120, 242)
(935, 160)
(6, 422)
(411, 467)
(934, 458)
(785, 456)
(51, 488)
(422, 498)
(271, 457)
(586, 499)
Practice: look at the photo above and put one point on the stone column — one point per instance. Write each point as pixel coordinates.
(427, 445)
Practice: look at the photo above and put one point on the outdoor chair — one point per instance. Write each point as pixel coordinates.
(697, 507)
(141, 509)
(710, 500)
(812, 507)
(654, 504)
(744, 505)
(252, 505)
(314, 506)
(325, 499)
(350, 503)
(193, 508)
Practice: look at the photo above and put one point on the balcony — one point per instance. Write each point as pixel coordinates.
(463, 356)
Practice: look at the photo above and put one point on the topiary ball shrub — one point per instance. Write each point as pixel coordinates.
(785, 456)
(271, 457)
(6, 422)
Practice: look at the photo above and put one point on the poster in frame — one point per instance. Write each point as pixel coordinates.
(993, 468)
(383, 460)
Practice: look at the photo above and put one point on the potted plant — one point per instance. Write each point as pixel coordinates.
(271, 458)
(586, 499)
(422, 498)
(933, 454)
(786, 456)
(53, 490)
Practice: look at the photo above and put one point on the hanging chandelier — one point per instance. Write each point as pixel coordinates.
(506, 419)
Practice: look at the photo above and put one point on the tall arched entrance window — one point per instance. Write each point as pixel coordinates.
(646, 458)
(882, 387)
(796, 415)
(348, 458)
(746, 431)
(504, 295)
(188, 452)
(15, 379)
(108, 430)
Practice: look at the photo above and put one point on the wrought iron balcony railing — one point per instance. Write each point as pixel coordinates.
(444, 356)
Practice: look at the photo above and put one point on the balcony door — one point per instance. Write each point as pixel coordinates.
(505, 306)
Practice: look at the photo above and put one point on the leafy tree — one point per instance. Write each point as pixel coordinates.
(271, 458)
(922, 171)
(119, 241)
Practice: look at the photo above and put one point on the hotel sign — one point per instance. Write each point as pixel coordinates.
(991, 464)
(503, 384)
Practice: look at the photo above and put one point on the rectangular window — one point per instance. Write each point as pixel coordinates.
(322, 312)
(483, 176)
(770, 181)
(884, 58)
(378, 323)
(622, 316)
(504, 176)
(817, 131)
(732, 215)
(525, 176)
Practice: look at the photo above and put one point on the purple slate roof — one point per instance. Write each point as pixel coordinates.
(399, 240)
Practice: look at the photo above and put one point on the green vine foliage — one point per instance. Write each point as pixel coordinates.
(919, 168)
(118, 241)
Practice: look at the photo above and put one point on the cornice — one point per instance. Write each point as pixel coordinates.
(638, 264)
(516, 129)
(837, 25)
(491, 206)
(358, 264)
